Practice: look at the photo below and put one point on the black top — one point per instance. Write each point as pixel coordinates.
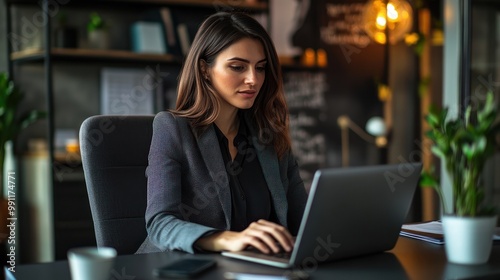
(250, 195)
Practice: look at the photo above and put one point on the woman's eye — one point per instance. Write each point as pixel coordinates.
(237, 68)
(261, 68)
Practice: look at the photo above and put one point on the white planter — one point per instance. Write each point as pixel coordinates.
(468, 240)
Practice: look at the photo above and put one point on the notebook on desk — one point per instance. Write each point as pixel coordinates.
(349, 212)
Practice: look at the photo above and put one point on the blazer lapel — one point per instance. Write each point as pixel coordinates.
(213, 160)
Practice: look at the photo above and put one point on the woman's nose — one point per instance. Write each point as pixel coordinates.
(251, 77)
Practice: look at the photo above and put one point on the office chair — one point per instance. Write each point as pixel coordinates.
(114, 153)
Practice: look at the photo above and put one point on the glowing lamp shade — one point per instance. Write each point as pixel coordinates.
(376, 126)
(396, 15)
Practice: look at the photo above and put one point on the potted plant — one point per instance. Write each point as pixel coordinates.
(10, 126)
(98, 37)
(464, 145)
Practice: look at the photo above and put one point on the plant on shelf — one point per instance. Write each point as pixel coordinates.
(464, 145)
(95, 22)
(98, 36)
(10, 123)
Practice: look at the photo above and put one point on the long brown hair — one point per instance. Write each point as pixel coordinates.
(198, 100)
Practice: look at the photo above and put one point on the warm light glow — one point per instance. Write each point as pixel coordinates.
(394, 15)
(381, 141)
(381, 21)
(379, 37)
(384, 92)
(309, 57)
(412, 39)
(437, 37)
(321, 58)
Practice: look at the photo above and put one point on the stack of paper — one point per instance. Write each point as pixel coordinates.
(431, 232)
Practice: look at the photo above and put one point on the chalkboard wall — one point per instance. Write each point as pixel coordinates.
(305, 92)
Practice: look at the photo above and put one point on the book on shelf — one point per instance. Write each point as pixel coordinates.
(431, 231)
(169, 26)
(178, 27)
(165, 19)
(147, 37)
(178, 30)
(184, 38)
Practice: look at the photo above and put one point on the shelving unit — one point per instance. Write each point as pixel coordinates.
(93, 54)
(250, 6)
(71, 213)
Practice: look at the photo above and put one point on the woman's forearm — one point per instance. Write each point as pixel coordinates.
(212, 242)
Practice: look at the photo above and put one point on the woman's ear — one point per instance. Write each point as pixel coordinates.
(204, 69)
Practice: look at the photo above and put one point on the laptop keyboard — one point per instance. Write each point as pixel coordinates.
(281, 255)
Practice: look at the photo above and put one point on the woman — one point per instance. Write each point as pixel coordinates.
(221, 175)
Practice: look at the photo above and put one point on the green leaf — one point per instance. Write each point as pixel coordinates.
(481, 143)
(438, 152)
(432, 120)
(467, 115)
(469, 150)
(427, 180)
(95, 22)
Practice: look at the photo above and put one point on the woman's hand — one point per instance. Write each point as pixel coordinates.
(263, 235)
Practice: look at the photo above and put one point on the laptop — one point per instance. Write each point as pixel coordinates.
(350, 212)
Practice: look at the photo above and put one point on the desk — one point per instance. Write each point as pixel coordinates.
(410, 259)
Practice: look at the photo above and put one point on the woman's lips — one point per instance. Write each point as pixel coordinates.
(247, 93)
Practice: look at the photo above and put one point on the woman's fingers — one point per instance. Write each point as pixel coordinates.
(271, 234)
(263, 235)
(282, 235)
(258, 244)
(238, 241)
(264, 238)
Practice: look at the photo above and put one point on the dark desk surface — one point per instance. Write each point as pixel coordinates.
(410, 259)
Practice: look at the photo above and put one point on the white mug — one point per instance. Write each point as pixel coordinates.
(91, 263)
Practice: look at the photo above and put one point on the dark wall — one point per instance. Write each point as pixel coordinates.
(3, 37)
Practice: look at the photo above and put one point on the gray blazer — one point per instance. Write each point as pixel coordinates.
(188, 188)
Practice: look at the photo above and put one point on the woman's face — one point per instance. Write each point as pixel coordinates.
(238, 73)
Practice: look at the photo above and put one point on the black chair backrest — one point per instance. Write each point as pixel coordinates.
(114, 153)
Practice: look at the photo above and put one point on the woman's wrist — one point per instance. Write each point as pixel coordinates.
(211, 242)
